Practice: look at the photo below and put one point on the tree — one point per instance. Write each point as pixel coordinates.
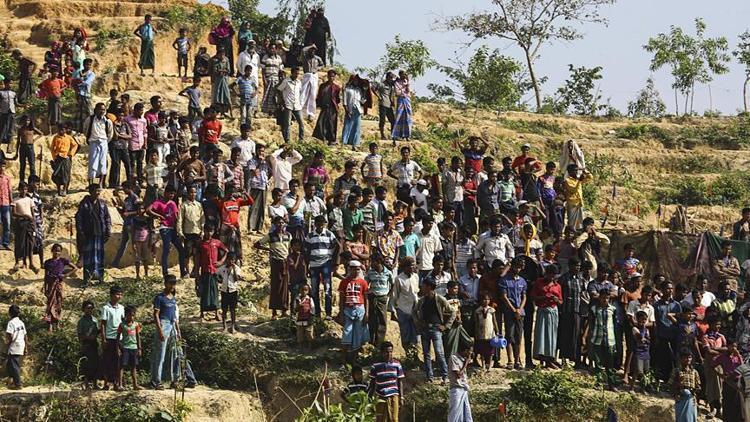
(242, 10)
(578, 95)
(490, 80)
(530, 24)
(691, 59)
(742, 53)
(411, 56)
(648, 103)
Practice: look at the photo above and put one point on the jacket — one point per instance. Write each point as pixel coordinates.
(445, 312)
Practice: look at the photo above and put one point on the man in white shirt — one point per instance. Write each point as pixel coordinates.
(430, 245)
(98, 130)
(291, 92)
(403, 300)
(282, 161)
(15, 338)
(250, 58)
(406, 172)
(494, 244)
(245, 144)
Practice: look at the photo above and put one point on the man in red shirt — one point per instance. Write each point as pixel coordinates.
(518, 162)
(52, 89)
(207, 284)
(353, 316)
(230, 221)
(210, 132)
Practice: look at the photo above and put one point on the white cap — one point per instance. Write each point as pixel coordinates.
(355, 263)
(522, 202)
(422, 182)
(526, 146)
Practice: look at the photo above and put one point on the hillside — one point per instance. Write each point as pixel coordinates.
(649, 165)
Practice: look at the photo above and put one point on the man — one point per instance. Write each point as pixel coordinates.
(251, 58)
(573, 195)
(282, 161)
(667, 335)
(329, 98)
(93, 228)
(353, 298)
(726, 266)
(99, 130)
(52, 89)
(128, 209)
(453, 179)
(494, 244)
(512, 289)
(741, 229)
(311, 64)
(430, 245)
(573, 311)
(146, 32)
(320, 246)
(165, 315)
(86, 81)
(25, 70)
(385, 382)
(190, 222)
(291, 93)
(380, 281)
(319, 34)
(590, 242)
(432, 315)
(519, 163)
(138, 140)
(386, 93)
(459, 409)
(258, 173)
(403, 301)
(406, 172)
(488, 199)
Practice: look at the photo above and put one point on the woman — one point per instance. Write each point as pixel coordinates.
(24, 229)
(244, 35)
(221, 67)
(271, 64)
(223, 35)
(402, 127)
(547, 295)
(358, 248)
(54, 273)
(277, 244)
(317, 174)
(354, 100)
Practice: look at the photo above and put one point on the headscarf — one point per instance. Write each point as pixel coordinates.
(527, 240)
(224, 28)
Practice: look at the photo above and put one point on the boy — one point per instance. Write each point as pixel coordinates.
(15, 338)
(155, 173)
(512, 289)
(8, 104)
(182, 45)
(386, 383)
(87, 334)
(209, 132)
(304, 307)
(412, 241)
(211, 254)
(193, 93)
(129, 343)
(111, 317)
(357, 383)
(229, 273)
(248, 93)
(685, 386)
(62, 149)
(459, 408)
(246, 145)
(52, 89)
(599, 335)
(374, 164)
(641, 338)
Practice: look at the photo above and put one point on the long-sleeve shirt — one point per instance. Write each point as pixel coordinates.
(87, 81)
(190, 219)
(247, 59)
(291, 92)
(573, 189)
(138, 132)
(62, 146)
(92, 218)
(282, 168)
(353, 99)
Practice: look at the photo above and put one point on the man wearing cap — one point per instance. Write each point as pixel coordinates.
(353, 315)
(519, 163)
(432, 315)
(251, 58)
(311, 63)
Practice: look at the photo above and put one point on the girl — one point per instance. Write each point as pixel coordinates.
(129, 342)
(211, 254)
(54, 273)
(317, 174)
(140, 235)
(485, 328)
(27, 135)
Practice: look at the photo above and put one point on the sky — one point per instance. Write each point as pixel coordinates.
(362, 28)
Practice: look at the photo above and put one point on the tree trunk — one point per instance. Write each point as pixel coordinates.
(687, 98)
(692, 97)
(744, 92)
(534, 82)
(676, 104)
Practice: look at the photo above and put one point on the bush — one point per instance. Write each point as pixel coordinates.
(197, 19)
(539, 127)
(105, 35)
(122, 409)
(697, 163)
(550, 392)
(731, 187)
(687, 191)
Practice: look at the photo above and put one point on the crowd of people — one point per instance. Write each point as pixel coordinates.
(468, 261)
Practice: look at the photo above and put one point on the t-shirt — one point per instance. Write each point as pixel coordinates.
(420, 197)
(354, 291)
(112, 316)
(634, 306)
(87, 326)
(386, 375)
(457, 365)
(182, 45)
(380, 282)
(247, 149)
(209, 254)
(412, 242)
(166, 306)
(168, 210)
(211, 131)
(194, 94)
(229, 276)
(17, 330)
(430, 245)
(129, 333)
(372, 162)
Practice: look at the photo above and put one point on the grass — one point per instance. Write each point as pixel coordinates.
(539, 127)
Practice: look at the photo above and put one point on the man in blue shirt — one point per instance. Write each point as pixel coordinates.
(665, 352)
(512, 289)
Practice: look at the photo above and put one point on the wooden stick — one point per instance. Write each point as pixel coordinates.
(257, 391)
(290, 399)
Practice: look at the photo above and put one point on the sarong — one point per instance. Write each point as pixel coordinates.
(93, 256)
(90, 363)
(279, 286)
(209, 292)
(377, 317)
(327, 125)
(355, 331)
(545, 332)
(7, 126)
(402, 127)
(147, 59)
(268, 105)
(309, 93)
(53, 292)
(54, 112)
(455, 338)
(98, 157)
(685, 409)
(459, 409)
(258, 210)
(110, 363)
(25, 90)
(352, 128)
(568, 334)
(220, 96)
(24, 237)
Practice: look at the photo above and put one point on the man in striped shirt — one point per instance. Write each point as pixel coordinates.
(320, 246)
(385, 381)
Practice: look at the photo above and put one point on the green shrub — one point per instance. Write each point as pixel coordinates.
(731, 187)
(549, 392)
(687, 191)
(105, 35)
(539, 127)
(309, 147)
(696, 163)
(197, 19)
(130, 407)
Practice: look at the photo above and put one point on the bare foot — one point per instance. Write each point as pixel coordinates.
(137, 388)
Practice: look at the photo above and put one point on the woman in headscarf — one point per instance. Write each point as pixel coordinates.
(271, 65)
(353, 108)
(402, 127)
(220, 69)
(223, 35)
(244, 35)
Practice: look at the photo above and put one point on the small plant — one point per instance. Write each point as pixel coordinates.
(539, 127)
(651, 383)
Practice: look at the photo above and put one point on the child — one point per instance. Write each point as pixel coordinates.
(52, 89)
(114, 104)
(211, 254)
(182, 45)
(373, 162)
(229, 273)
(8, 102)
(629, 264)
(54, 273)
(641, 338)
(193, 93)
(456, 338)
(87, 334)
(155, 172)
(248, 94)
(357, 383)
(129, 343)
(685, 386)
(447, 234)
(714, 344)
(15, 338)
(304, 307)
(141, 249)
(412, 241)
(62, 149)
(24, 229)
(465, 248)
(110, 319)
(295, 269)
(184, 138)
(485, 328)
(601, 347)
(160, 137)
